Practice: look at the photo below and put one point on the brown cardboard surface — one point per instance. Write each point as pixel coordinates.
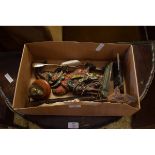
(84, 110)
(85, 51)
(75, 50)
(23, 79)
(130, 75)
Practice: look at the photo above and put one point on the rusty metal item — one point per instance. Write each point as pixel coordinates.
(50, 101)
(117, 97)
(81, 81)
(118, 74)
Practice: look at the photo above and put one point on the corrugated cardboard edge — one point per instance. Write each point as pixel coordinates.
(136, 77)
(15, 93)
(84, 110)
(78, 42)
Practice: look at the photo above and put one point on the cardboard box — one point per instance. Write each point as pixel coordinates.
(85, 51)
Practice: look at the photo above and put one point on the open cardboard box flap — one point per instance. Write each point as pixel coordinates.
(84, 51)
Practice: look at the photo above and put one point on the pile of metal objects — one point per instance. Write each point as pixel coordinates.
(83, 81)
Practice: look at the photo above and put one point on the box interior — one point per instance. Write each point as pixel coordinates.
(56, 52)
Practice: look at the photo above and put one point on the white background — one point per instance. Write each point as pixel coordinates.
(77, 12)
